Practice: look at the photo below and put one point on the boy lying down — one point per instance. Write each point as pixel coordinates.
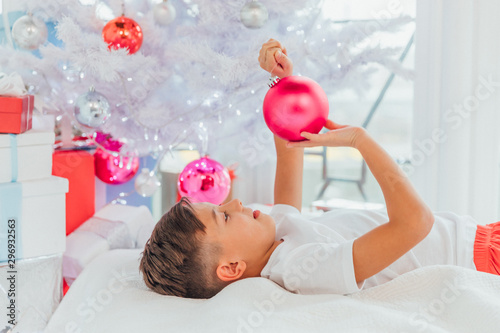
(196, 249)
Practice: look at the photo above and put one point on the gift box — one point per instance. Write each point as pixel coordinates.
(78, 168)
(30, 296)
(32, 215)
(16, 113)
(112, 227)
(26, 156)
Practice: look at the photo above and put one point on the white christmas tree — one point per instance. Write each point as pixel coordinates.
(195, 77)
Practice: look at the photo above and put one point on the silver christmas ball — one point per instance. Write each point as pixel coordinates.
(254, 15)
(146, 184)
(92, 109)
(29, 32)
(164, 13)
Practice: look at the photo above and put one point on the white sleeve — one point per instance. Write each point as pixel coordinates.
(318, 268)
(279, 211)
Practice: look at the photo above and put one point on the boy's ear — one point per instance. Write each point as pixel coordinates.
(231, 271)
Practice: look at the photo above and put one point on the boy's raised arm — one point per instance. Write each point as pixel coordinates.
(289, 166)
(410, 220)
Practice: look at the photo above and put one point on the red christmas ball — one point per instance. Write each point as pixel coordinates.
(113, 168)
(123, 32)
(293, 105)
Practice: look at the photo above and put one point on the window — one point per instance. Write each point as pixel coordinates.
(391, 120)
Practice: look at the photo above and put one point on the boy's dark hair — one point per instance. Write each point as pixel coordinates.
(176, 260)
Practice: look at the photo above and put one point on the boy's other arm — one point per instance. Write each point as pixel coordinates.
(410, 220)
(289, 170)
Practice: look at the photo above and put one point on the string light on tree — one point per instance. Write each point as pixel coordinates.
(29, 32)
(254, 15)
(123, 32)
(164, 13)
(92, 109)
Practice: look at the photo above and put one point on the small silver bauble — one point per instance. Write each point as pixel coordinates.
(146, 184)
(92, 109)
(254, 15)
(164, 13)
(29, 32)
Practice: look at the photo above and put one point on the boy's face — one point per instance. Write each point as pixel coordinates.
(242, 233)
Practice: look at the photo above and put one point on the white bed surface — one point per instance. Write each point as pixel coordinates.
(110, 296)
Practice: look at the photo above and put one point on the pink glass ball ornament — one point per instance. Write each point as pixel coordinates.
(293, 105)
(204, 180)
(123, 32)
(113, 168)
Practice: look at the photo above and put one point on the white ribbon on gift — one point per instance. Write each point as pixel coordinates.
(116, 233)
(12, 85)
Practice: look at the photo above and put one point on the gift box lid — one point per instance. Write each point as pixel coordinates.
(46, 186)
(14, 104)
(29, 138)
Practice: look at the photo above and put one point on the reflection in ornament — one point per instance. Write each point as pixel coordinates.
(254, 15)
(29, 32)
(92, 109)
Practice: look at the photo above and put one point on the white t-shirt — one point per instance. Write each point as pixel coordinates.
(315, 256)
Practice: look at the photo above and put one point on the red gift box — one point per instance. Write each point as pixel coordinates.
(16, 113)
(78, 168)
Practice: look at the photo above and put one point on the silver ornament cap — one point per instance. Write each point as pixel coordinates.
(254, 15)
(29, 32)
(92, 109)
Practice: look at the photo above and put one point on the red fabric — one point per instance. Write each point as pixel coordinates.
(16, 114)
(65, 287)
(487, 248)
(78, 168)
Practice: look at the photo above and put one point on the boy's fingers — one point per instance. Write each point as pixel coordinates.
(333, 125)
(329, 124)
(308, 135)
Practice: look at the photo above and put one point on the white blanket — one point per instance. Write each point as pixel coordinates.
(110, 296)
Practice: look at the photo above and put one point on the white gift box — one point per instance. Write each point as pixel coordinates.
(27, 155)
(31, 294)
(112, 227)
(40, 228)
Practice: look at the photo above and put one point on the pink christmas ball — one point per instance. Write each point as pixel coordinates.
(204, 180)
(114, 169)
(293, 105)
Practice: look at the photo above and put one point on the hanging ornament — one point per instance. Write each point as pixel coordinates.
(254, 15)
(123, 32)
(164, 13)
(204, 180)
(92, 109)
(293, 105)
(146, 184)
(29, 32)
(114, 168)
